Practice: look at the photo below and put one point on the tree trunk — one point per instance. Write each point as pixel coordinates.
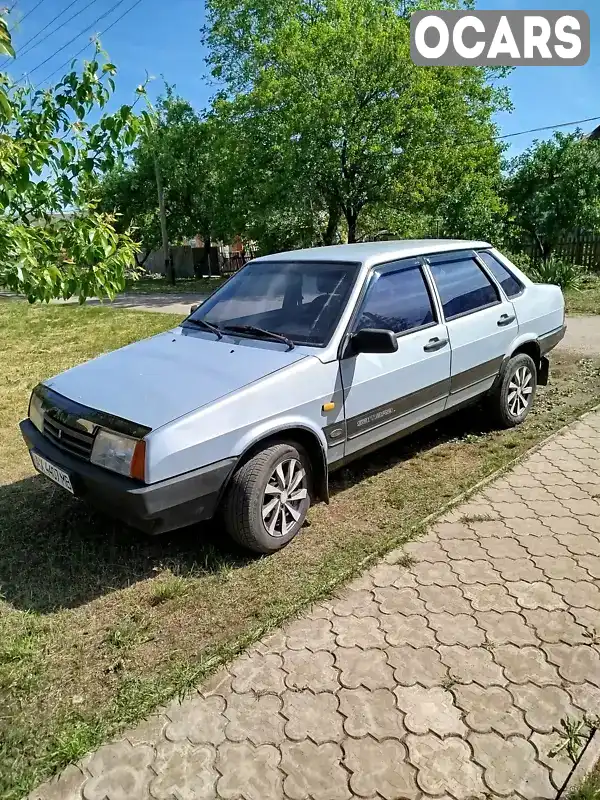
(206, 257)
(141, 263)
(351, 217)
(332, 225)
(169, 271)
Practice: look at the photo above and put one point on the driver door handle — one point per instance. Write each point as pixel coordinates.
(506, 319)
(435, 344)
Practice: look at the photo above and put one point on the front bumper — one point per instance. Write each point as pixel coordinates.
(153, 508)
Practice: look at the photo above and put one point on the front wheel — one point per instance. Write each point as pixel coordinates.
(268, 499)
(511, 401)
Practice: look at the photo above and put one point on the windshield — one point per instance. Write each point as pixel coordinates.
(300, 300)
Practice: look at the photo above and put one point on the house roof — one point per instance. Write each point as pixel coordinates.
(371, 253)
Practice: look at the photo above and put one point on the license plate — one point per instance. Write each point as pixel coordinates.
(51, 471)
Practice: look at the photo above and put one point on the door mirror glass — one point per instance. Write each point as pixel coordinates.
(195, 307)
(373, 340)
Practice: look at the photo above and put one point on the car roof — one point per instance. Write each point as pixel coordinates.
(371, 253)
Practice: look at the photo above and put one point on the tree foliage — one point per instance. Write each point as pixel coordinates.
(184, 145)
(553, 188)
(54, 242)
(323, 100)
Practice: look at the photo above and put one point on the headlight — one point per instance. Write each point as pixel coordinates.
(119, 453)
(36, 415)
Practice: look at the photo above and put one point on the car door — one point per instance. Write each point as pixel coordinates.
(481, 323)
(385, 394)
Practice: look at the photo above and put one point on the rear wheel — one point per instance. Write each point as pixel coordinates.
(511, 401)
(268, 499)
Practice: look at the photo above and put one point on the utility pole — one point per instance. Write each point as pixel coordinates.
(169, 271)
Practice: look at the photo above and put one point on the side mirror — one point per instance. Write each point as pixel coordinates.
(373, 340)
(195, 307)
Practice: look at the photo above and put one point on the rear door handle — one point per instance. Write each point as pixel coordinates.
(435, 344)
(506, 319)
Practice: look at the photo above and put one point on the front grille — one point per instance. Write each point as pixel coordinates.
(77, 442)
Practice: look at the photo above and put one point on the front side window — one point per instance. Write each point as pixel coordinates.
(512, 287)
(301, 300)
(463, 286)
(397, 301)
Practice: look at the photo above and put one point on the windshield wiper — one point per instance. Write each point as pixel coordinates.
(202, 323)
(261, 332)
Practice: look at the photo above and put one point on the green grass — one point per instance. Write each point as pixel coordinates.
(99, 624)
(587, 299)
(159, 285)
(589, 789)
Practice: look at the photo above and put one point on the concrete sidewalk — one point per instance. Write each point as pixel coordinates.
(446, 679)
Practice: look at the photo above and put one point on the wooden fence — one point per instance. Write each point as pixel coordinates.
(580, 248)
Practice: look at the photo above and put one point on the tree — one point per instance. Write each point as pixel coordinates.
(183, 144)
(344, 118)
(553, 189)
(54, 242)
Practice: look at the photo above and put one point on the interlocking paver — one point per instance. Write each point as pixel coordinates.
(380, 767)
(456, 629)
(510, 766)
(411, 666)
(184, 771)
(119, 771)
(444, 598)
(490, 709)
(443, 679)
(248, 769)
(368, 668)
(313, 635)
(358, 632)
(489, 598)
(307, 670)
(472, 664)
(578, 664)
(555, 626)
(254, 717)
(445, 766)
(312, 716)
(526, 664)
(544, 706)
(314, 770)
(429, 710)
(371, 713)
(505, 627)
(534, 595)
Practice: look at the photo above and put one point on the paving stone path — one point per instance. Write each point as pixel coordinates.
(446, 679)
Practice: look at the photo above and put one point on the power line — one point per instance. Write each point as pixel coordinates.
(31, 10)
(73, 39)
(548, 127)
(24, 49)
(79, 52)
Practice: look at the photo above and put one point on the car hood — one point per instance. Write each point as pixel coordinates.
(157, 380)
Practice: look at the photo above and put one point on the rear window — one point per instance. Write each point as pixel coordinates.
(463, 286)
(511, 285)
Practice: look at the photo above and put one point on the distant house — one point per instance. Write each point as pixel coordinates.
(595, 134)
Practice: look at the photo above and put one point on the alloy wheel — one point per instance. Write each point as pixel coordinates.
(284, 497)
(520, 390)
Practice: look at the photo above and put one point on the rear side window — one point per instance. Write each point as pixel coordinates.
(512, 287)
(463, 286)
(397, 301)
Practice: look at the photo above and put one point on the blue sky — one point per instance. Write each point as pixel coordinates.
(164, 39)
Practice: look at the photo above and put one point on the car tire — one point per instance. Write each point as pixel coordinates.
(253, 512)
(512, 399)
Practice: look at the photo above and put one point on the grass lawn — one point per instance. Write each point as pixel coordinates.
(589, 789)
(99, 624)
(160, 285)
(587, 299)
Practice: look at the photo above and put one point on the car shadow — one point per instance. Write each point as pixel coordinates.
(56, 552)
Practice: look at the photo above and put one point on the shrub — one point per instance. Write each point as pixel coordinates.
(561, 273)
